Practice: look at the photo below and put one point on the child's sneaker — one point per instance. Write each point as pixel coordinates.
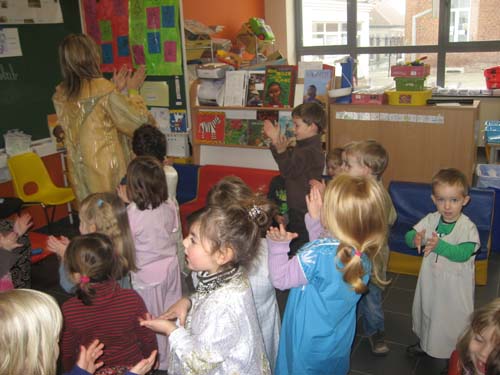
(378, 345)
(415, 350)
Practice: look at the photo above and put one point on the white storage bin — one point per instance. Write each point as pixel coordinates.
(488, 175)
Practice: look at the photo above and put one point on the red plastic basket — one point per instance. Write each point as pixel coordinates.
(492, 76)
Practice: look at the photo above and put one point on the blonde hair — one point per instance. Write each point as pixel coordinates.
(109, 214)
(371, 154)
(483, 318)
(354, 211)
(451, 177)
(30, 325)
(79, 60)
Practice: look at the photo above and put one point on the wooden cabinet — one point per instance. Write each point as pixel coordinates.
(419, 140)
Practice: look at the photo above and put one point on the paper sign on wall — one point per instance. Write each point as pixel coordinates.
(155, 94)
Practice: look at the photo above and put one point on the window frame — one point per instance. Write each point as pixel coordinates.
(443, 47)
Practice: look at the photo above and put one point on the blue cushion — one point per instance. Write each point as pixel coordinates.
(412, 202)
(188, 182)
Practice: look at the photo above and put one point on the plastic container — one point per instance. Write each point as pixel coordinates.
(492, 76)
(16, 142)
(488, 176)
(414, 98)
(410, 70)
(492, 131)
(409, 84)
(366, 98)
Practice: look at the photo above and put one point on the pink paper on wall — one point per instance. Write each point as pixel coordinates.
(153, 18)
(139, 57)
(114, 15)
(170, 49)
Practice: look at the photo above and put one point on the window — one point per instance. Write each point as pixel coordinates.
(460, 38)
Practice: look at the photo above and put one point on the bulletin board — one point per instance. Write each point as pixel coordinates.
(26, 91)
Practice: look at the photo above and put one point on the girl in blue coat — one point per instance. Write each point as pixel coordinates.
(328, 275)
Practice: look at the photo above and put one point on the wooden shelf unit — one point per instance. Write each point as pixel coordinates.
(417, 150)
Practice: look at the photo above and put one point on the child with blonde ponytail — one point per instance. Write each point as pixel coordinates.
(103, 213)
(327, 276)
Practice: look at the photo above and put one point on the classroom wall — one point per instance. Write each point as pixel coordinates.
(229, 13)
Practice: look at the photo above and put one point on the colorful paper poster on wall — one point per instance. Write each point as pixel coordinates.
(154, 36)
(30, 11)
(106, 21)
(210, 127)
(178, 123)
(236, 132)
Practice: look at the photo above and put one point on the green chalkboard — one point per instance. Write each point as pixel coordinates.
(26, 100)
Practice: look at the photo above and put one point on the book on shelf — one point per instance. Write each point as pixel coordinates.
(236, 132)
(316, 86)
(256, 136)
(210, 127)
(279, 85)
(255, 92)
(235, 88)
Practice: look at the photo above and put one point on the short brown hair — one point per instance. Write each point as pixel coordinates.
(371, 154)
(146, 182)
(311, 113)
(451, 177)
(335, 156)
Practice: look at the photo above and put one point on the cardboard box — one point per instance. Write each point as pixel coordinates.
(366, 98)
(410, 70)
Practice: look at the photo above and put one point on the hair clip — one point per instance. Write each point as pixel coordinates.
(357, 253)
(254, 211)
(84, 279)
(100, 202)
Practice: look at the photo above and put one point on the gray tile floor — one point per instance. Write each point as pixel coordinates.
(397, 304)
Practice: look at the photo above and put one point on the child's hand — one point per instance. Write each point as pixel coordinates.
(280, 235)
(22, 224)
(121, 190)
(314, 201)
(419, 240)
(145, 365)
(178, 310)
(431, 244)
(159, 325)
(271, 130)
(321, 185)
(88, 356)
(281, 143)
(9, 241)
(58, 245)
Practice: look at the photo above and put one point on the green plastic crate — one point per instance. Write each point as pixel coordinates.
(409, 84)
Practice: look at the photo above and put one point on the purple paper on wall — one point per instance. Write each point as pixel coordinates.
(170, 51)
(153, 17)
(139, 57)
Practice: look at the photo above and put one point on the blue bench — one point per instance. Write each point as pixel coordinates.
(187, 186)
(412, 202)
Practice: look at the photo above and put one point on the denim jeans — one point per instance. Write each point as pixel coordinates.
(370, 309)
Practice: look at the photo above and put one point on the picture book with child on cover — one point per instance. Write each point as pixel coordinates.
(316, 86)
(279, 85)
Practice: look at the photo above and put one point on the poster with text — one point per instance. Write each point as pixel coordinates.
(155, 36)
(106, 21)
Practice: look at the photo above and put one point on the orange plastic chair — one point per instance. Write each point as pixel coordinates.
(33, 184)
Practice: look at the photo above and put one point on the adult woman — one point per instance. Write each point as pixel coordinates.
(95, 116)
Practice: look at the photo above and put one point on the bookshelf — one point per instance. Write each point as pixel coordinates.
(234, 112)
